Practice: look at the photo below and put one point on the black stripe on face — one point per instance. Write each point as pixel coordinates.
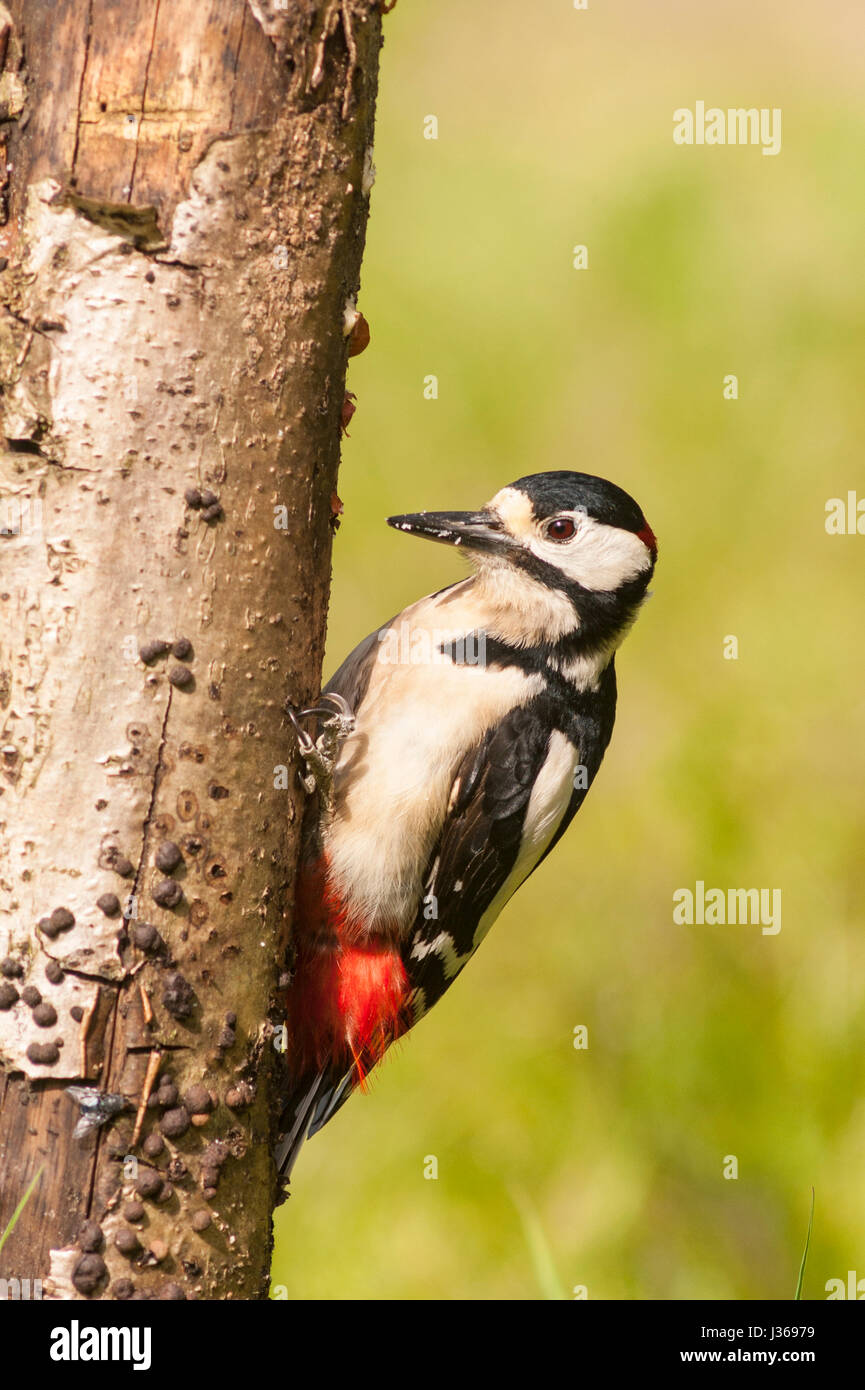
(602, 613)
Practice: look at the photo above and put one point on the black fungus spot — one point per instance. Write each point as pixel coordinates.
(146, 937)
(151, 651)
(61, 919)
(149, 1184)
(127, 1242)
(8, 995)
(182, 648)
(174, 1123)
(153, 1146)
(31, 996)
(167, 1095)
(180, 676)
(198, 1100)
(45, 1015)
(240, 1096)
(168, 856)
(54, 972)
(178, 997)
(43, 1054)
(89, 1273)
(167, 893)
(90, 1236)
(109, 903)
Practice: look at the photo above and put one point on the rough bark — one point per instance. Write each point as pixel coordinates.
(185, 207)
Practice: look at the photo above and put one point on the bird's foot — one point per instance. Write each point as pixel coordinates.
(319, 755)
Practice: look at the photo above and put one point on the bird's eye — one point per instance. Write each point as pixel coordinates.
(562, 528)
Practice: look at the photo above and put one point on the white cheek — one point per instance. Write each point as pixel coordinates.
(599, 557)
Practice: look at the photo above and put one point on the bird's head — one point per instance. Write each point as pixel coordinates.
(570, 551)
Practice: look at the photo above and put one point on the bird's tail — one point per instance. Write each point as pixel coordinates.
(314, 1101)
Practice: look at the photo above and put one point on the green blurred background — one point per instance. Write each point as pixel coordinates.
(555, 129)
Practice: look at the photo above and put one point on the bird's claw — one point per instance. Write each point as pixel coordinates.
(319, 754)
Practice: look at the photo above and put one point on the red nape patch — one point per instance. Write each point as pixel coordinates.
(647, 536)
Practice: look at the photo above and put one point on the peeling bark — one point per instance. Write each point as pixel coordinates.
(186, 212)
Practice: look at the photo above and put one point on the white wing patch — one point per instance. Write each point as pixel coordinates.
(444, 946)
(548, 803)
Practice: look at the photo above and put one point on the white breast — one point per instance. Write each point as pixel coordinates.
(394, 774)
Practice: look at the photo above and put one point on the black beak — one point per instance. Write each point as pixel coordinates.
(482, 531)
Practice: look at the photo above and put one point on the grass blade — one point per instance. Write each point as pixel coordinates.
(539, 1248)
(20, 1207)
(805, 1251)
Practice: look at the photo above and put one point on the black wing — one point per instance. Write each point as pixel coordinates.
(480, 841)
(476, 851)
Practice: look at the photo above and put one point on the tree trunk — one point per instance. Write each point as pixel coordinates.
(186, 204)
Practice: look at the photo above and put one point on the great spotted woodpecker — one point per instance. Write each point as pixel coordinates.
(457, 743)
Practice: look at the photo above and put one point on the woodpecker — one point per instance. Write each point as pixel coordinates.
(456, 743)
